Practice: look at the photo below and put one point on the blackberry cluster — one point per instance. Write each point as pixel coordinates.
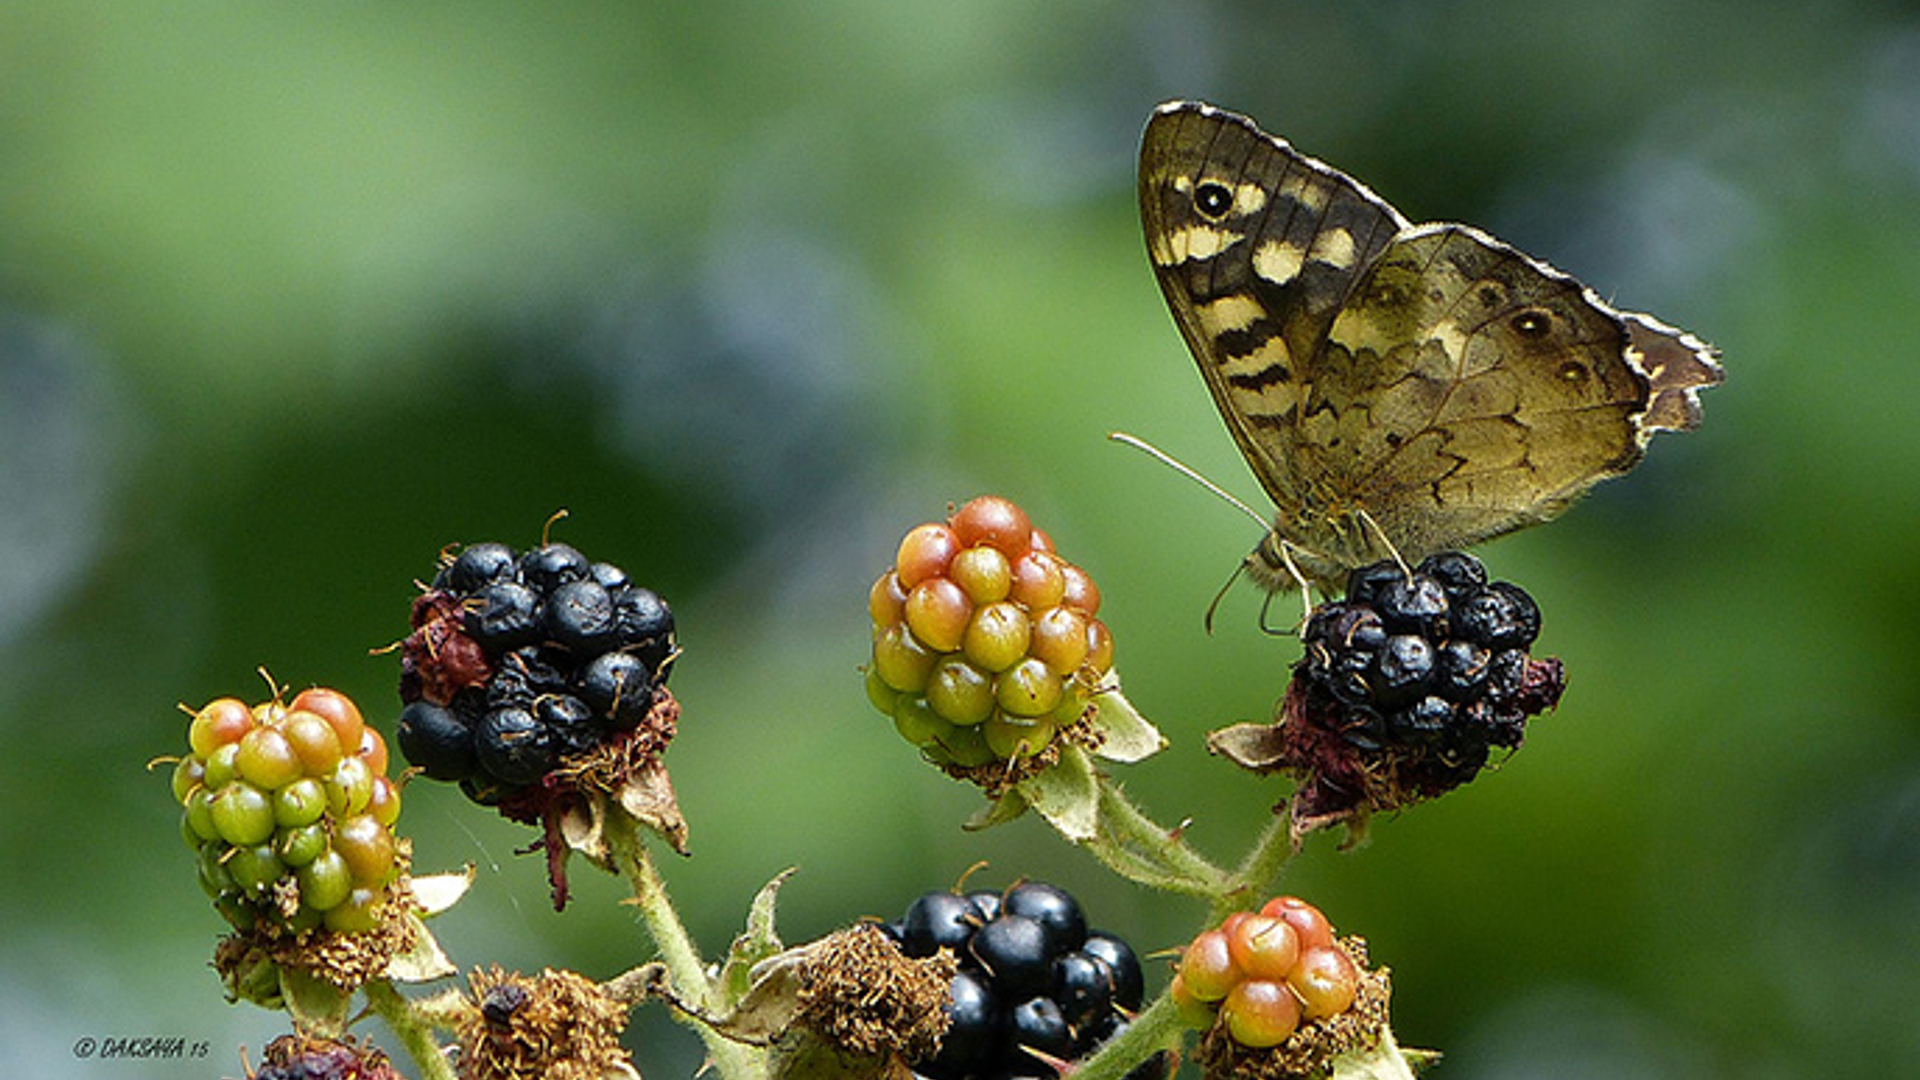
(1261, 975)
(986, 643)
(1031, 977)
(1429, 668)
(518, 662)
(295, 1057)
(291, 811)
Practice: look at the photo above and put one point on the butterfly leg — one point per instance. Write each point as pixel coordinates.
(1381, 535)
(1222, 594)
(1306, 590)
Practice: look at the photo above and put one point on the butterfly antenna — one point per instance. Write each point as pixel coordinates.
(1187, 471)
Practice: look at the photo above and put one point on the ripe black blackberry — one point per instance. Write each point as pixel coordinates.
(519, 662)
(1031, 978)
(536, 681)
(1407, 685)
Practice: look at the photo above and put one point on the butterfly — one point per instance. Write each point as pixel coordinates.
(1398, 389)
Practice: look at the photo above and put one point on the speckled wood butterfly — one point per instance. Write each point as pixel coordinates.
(1426, 386)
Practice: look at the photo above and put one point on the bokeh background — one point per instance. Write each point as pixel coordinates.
(293, 295)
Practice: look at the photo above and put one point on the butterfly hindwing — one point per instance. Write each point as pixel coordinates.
(1470, 390)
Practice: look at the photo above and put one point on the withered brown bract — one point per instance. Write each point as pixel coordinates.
(1429, 378)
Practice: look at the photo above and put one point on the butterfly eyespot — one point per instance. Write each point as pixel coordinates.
(1534, 323)
(1572, 372)
(1212, 199)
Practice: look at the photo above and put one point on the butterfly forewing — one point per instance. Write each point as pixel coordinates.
(1256, 248)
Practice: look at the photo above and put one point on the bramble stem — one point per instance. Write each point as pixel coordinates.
(732, 1060)
(1142, 850)
(411, 1027)
(1270, 853)
(1157, 1027)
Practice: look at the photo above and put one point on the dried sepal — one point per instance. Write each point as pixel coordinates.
(250, 961)
(297, 1056)
(572, 802)
(557, 1025)
(847, 1006)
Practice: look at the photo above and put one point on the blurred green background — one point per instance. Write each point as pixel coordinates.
(293, 295)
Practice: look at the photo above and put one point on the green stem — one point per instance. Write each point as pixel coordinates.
(413, 1029)
(1140, 848)
(732, 1060)
(1156, 1028)
(1270, 853)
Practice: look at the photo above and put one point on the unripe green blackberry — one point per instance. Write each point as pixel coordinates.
(279, 814)
(986, 643)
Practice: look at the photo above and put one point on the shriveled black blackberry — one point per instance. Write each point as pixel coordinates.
(300, 1057)
(1407, 686)
(520, 661)
(1031, 980)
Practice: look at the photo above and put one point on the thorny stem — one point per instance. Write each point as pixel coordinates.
(411, 1027)
(1262, 864)
(732, 1060)
(1140, 849)
(1157, 1027)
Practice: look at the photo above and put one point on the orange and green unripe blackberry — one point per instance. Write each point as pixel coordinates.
(1264, 974)
(290, 796)
(986, 642)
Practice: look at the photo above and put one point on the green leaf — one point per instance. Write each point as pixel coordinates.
(1125, 735)
(1067, 795)
(758, 942)
(317, 1006)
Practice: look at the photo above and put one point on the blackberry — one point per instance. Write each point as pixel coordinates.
(505, 615)
(437, 739)
(938, 920)
(521, 661)
(1406, 686)
(987, 647)
(514, 746)
(1015, 952)
(579, 615)
(1031, 980)
(550, 566)
(536, 681)
(285, 821)
(478, 566)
